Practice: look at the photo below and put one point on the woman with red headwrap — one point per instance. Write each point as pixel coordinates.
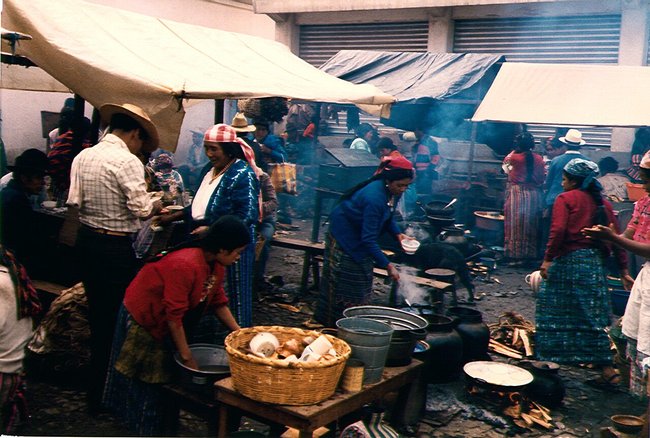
(230, 186)
(351, 247)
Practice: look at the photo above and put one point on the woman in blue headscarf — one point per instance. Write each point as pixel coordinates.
(573, 305)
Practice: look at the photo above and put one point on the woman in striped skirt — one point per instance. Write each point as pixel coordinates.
(573, 305)
(524, 202)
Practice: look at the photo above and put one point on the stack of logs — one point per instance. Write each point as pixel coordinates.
(524, 412)
(511, 336)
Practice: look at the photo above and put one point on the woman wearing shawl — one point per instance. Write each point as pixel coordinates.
(18, 304)
(573, 304)
(524, 202)
(229, 186)
(351, 247)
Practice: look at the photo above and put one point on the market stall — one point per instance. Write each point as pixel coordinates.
(109, 55)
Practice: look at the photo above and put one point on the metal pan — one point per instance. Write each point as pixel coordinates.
(498, 376)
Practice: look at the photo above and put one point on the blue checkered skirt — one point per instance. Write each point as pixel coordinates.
(573, 309)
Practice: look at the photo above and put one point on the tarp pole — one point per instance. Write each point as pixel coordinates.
(472, 147)
(219, 111)
(78, 134)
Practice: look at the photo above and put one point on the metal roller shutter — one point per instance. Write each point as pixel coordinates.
(589, 39)
(320, 42)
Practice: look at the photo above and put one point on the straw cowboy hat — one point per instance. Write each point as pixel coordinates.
(240, 124)
(108, 110)
(573, 137)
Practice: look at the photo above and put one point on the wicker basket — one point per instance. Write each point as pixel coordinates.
(279, 382)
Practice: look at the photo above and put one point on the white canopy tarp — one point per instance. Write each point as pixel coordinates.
(110, 55)
(568, 94)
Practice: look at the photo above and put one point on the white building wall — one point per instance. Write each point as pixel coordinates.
(20, 111)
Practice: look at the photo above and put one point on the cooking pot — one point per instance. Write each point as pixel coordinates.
(489, 220)
(497, 376)
(408, 328)
(534, 280)
(436, 208)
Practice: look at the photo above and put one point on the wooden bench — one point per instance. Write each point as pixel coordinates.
(314, 252)
(311, 249)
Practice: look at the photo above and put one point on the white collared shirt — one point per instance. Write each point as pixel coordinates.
(107, 183)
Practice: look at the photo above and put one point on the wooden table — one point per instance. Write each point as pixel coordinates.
(309, 418)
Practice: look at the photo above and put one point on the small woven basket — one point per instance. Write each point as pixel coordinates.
(280, 382)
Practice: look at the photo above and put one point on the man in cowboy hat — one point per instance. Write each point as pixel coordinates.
(244, 129)
(22, 230)
(107, 185)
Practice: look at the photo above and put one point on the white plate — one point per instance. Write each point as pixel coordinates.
(497, 373)
(174, 207)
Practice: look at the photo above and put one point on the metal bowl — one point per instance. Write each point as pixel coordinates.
(212, 361)
(398, 319)
(627, 423)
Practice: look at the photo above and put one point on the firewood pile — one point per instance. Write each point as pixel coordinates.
(524, 412)
(512, 336)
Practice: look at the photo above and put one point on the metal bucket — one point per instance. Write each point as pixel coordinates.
(369, 341)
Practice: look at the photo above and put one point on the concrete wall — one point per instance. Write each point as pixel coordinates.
(20, 111)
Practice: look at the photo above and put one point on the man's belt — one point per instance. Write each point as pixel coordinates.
(108, 232)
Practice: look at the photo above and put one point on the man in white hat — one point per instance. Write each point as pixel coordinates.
(107, 185)
(573, 140)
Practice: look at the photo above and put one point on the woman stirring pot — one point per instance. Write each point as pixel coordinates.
(351, 247)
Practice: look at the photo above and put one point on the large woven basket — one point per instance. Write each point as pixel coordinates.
(279, 382)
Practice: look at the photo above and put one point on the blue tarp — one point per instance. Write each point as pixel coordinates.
(420, 81)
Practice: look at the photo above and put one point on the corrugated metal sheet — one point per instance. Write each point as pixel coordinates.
(319, 42)
(582, 40)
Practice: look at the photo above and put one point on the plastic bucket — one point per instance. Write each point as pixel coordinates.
(369, 341)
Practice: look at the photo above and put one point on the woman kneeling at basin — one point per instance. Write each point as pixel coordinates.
(161, 305)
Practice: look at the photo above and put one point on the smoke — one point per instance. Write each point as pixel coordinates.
(417, 232)
(408, 289)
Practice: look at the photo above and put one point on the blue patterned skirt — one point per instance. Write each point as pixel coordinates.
(573, 309)
(239, 285)
(345, 283)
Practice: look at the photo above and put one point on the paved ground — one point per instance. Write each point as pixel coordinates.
(59, 409)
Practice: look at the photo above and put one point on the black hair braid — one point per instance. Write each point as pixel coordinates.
(596, 193)
(530, 165)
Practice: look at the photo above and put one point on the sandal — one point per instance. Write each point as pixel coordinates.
(611, 383)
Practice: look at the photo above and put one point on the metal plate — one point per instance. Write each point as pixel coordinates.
(497, 373)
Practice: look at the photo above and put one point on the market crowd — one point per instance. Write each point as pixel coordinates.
(145, 305)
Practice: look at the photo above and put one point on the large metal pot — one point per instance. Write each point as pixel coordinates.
(489, 220)
(408, 329)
